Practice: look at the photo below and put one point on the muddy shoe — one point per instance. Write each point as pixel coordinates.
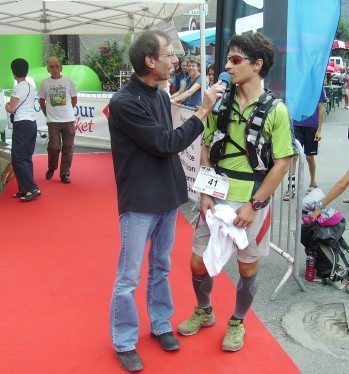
(194, 323)
(234, 337)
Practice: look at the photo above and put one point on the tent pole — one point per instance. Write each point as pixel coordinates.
(202, 49)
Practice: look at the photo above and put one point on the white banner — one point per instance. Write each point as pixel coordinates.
(190, 157)
(91, 118)
(91, 129)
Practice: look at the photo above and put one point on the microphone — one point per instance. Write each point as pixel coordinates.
(226, 80)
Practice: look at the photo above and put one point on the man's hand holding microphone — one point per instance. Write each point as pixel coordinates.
(213, 97)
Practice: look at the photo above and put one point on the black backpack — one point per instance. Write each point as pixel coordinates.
(330, 250)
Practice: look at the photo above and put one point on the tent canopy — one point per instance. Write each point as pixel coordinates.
(87, 16)
(192, 38)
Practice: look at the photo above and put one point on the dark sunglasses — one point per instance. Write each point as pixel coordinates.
(237, 59)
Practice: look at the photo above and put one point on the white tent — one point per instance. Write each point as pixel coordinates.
(77, 17)
(63, 17)
(87, 16)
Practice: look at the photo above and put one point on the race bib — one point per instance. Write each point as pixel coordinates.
(210, 183)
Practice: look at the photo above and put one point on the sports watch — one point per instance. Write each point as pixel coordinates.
(257, 204)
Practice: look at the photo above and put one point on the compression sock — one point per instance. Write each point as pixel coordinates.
(245, 292)
(203, 284)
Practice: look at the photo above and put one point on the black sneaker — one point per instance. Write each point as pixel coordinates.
(167, 340)
(130, 361)
(49, 174)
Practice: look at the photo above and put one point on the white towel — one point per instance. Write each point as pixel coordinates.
(224, 240)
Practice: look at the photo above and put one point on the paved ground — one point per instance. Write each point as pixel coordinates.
(309, 325)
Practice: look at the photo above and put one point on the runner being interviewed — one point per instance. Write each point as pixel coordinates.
(249, 59)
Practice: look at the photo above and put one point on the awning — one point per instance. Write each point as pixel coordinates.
(86, 16)
(192, 38)
(338, 44)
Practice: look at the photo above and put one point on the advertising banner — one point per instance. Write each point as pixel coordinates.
(302, 43)
(91, 116)
(190, 157)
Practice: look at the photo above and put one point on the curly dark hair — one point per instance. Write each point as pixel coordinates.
(255, 46)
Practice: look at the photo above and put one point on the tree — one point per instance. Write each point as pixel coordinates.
(55, 49)
(110, 59)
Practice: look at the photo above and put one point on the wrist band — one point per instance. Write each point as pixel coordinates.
(319, 205)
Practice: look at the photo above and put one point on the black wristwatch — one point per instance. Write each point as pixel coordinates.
(257, 204)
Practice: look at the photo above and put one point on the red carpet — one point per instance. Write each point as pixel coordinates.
(58, 257)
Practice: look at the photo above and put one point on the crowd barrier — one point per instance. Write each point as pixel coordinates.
(286, 228)
(91, 114)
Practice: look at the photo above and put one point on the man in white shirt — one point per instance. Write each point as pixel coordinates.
(58, 97)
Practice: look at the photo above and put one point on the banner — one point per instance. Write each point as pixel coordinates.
(309, 43)
(190, 157)
(302, 43)
(91, 116)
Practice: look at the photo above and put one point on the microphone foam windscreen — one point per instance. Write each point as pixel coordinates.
(225, 77)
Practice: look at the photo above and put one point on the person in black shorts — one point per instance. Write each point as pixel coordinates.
(308, 133)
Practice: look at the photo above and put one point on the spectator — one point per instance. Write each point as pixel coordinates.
(308, 133)
(180, 77)
(58, 96)
(334, 192)
(21, 104)
(210, 74)
(190, 94)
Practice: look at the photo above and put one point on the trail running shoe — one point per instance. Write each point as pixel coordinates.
(234, 337)
(194, 323)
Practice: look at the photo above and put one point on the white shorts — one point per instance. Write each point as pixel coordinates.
(258, 234)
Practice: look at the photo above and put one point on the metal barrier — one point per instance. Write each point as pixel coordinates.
(292, 261)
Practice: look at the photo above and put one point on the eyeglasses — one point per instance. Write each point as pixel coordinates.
(237, 59)
(171, 54)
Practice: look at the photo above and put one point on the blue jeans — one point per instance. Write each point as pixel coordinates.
(136, 229)
(23, 146)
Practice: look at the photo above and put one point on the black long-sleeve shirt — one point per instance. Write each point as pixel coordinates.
(148, 171)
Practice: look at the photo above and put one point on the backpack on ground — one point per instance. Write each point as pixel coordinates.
(329, 248)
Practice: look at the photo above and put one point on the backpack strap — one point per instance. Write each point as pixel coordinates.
(256, 121)
(254, 124)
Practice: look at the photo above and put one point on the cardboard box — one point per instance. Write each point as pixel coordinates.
(6, 171)
(5, 147)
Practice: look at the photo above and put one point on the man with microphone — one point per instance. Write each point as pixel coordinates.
(235, 146)
(151, 185)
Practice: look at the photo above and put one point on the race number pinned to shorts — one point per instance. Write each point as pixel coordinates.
(210, 183)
